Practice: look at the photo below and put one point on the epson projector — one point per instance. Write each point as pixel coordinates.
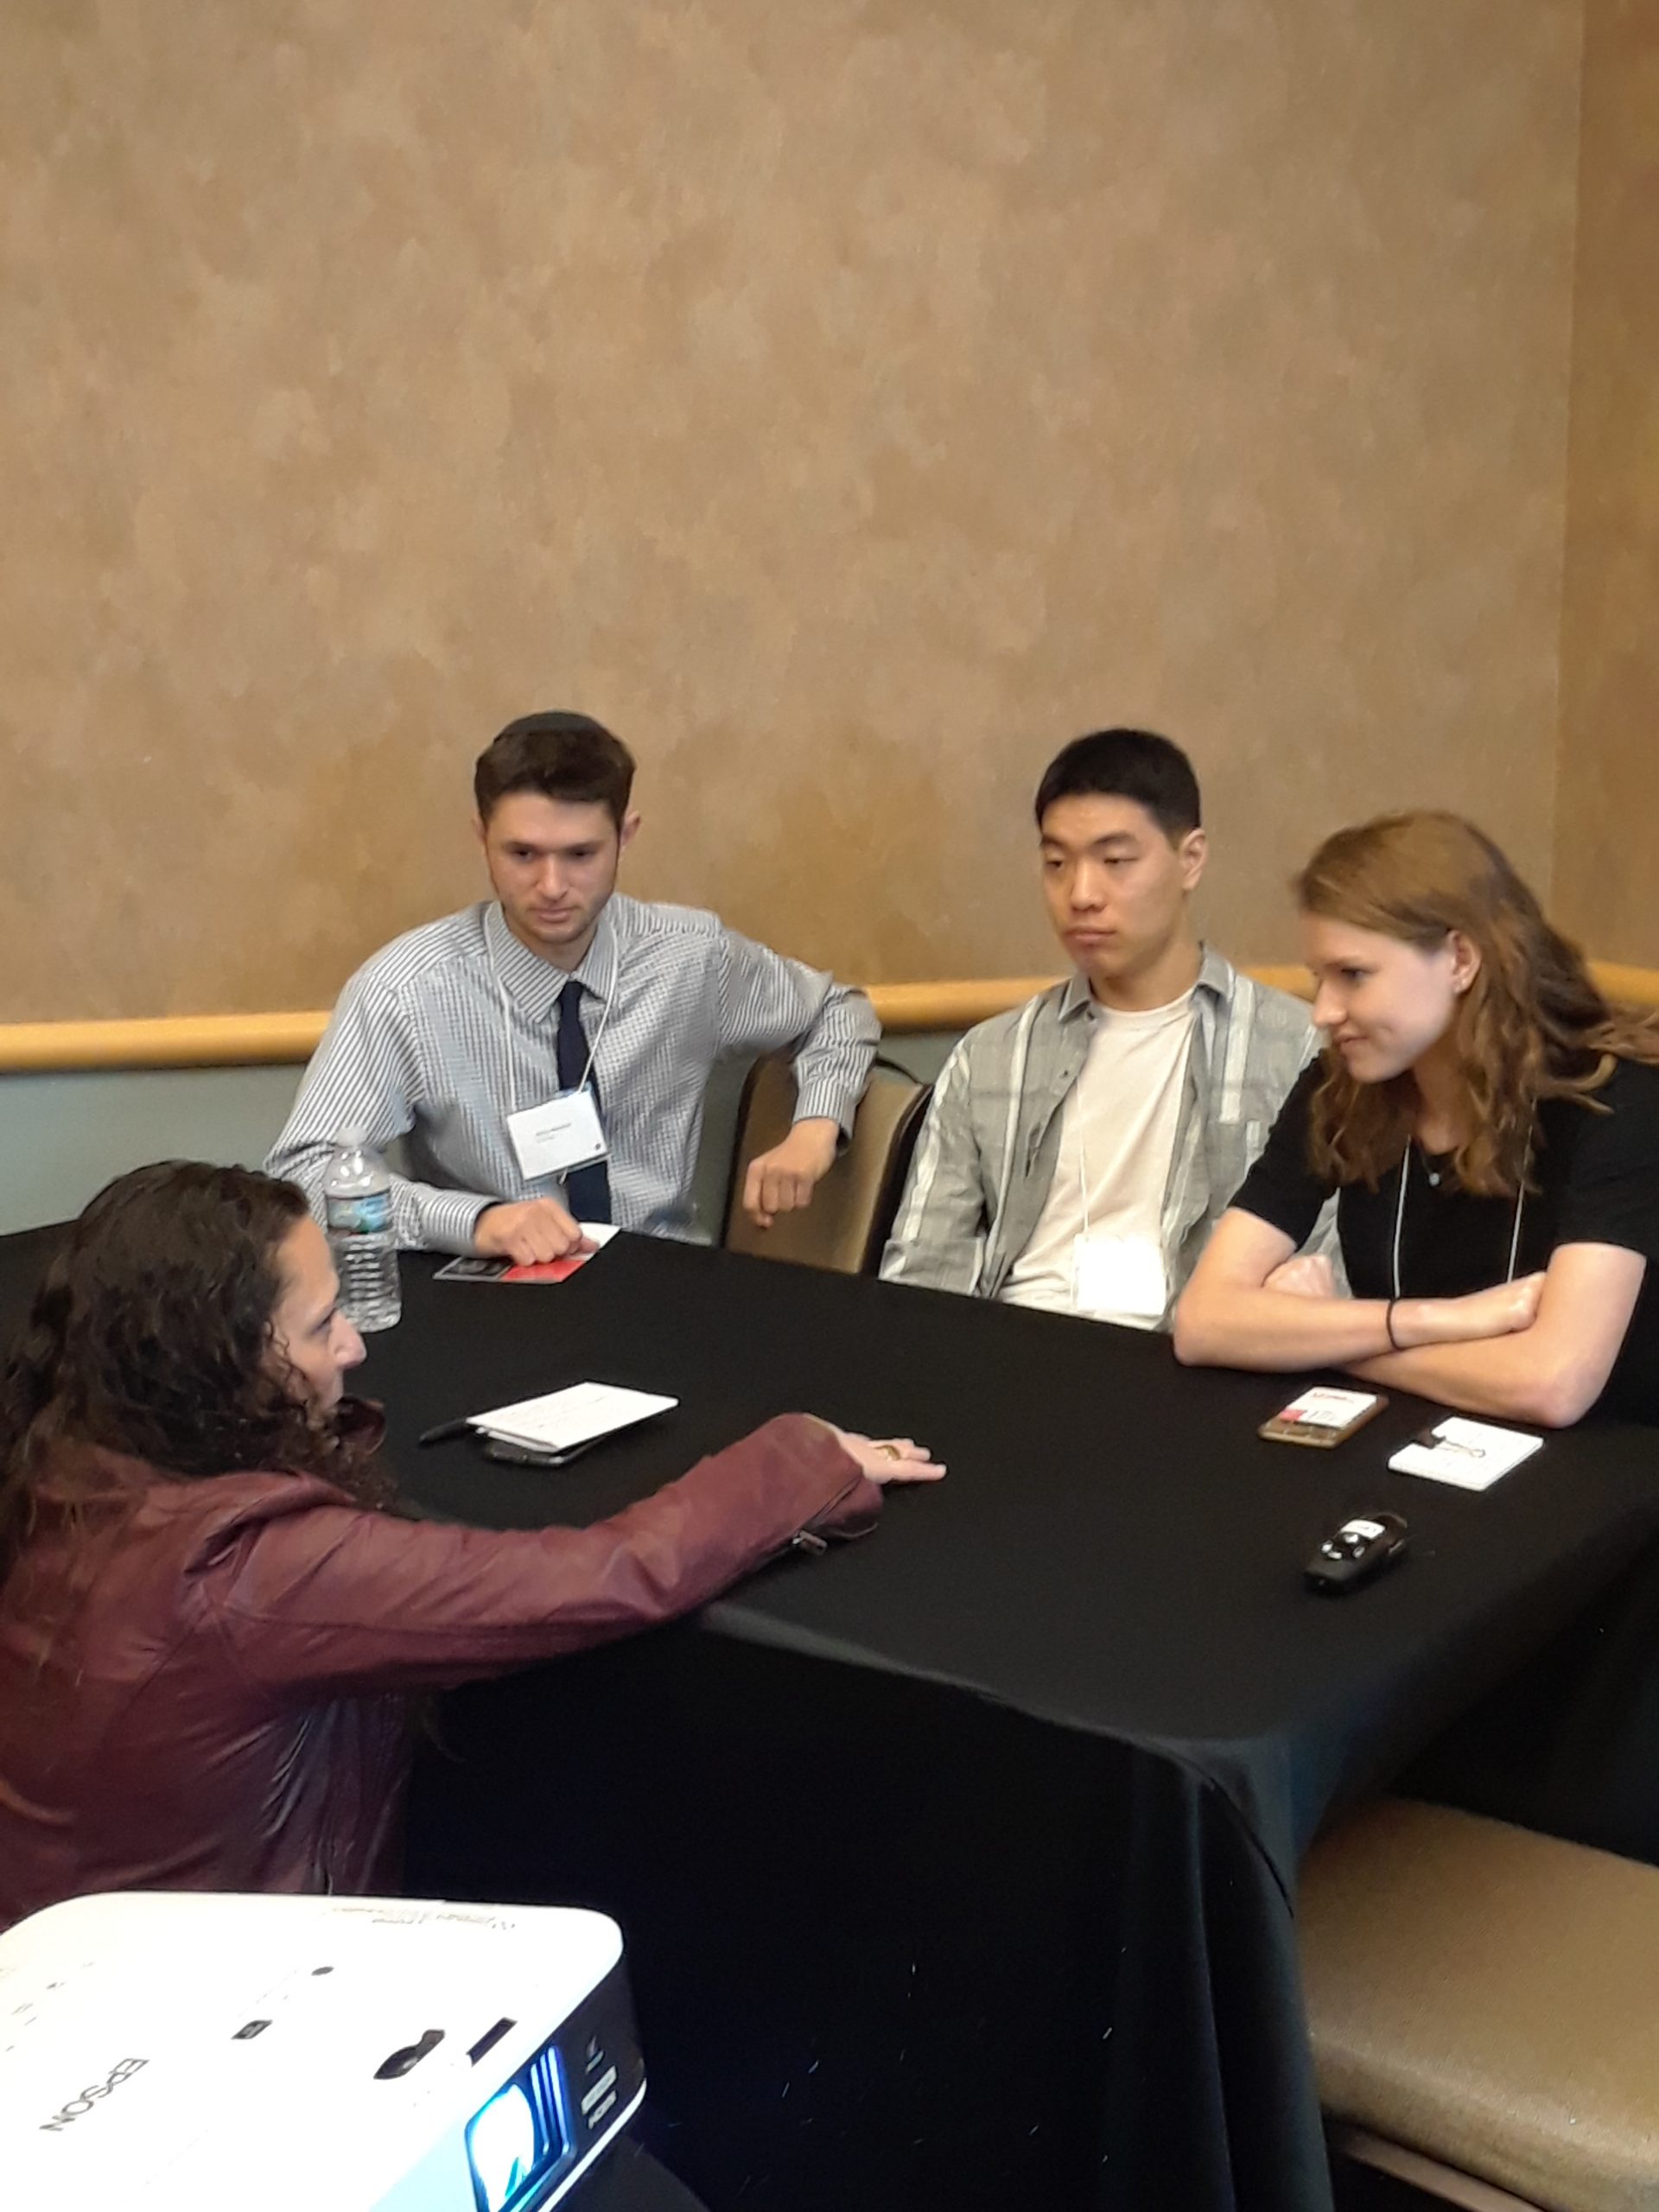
(184, 2053)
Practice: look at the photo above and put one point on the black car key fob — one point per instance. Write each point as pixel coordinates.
(1357, 1553)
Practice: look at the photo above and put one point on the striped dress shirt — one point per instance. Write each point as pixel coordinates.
(452, 1027)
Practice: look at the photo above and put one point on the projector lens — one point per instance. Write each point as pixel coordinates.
(515, 2143)
(502, 2141)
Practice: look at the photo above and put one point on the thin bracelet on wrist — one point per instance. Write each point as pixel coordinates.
(1395, 1343)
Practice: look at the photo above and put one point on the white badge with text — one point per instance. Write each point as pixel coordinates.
(562, 1134)
(1120, 1278)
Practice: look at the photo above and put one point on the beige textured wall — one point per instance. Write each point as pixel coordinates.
(1607, 827)
(848, 403)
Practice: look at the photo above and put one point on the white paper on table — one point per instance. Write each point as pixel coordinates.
(563, 1419)
(1469, 1453)
(598, 1232)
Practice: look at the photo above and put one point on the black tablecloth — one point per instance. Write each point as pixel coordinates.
(956, 1865)
(627, 2179)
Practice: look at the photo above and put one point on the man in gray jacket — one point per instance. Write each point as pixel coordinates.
(1078, 1150)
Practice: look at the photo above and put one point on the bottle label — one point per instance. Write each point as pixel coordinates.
(369, 1215)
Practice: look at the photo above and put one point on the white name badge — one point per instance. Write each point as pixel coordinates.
(553, 1138)
(1119, 1278)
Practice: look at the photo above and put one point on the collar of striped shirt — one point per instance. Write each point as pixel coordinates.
(534, 984)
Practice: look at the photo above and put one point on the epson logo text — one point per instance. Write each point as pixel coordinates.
(77, 2108)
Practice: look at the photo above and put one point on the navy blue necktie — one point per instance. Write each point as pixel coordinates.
(587, 1190)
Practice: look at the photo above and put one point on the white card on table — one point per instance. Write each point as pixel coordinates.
(1468, 1454)
(562, 1134)
(563, 1419)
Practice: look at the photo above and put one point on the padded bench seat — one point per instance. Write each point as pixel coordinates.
(1488, 1999)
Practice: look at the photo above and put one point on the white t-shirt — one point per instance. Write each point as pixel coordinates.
(1117, 1134)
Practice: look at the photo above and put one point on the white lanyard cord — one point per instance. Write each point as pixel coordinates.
(1399, 1214)
(1083, 1176)
(506, 1027)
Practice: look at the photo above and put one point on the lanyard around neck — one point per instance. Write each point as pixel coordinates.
(506, 1023)
(1399, 1214)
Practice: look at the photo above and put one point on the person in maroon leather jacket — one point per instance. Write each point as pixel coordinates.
(209, 1627)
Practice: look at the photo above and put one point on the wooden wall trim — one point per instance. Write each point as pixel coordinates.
(904, 1008)
(208, 1040)
(192, 1041)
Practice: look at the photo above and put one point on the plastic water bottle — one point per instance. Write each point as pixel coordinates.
(356, 1197)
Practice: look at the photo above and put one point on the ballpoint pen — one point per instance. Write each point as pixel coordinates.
(444, 1431)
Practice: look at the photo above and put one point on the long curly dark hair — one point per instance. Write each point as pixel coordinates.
(150, 1335)
(1532, 1026)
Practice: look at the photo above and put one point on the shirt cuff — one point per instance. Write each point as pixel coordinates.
(826, 1101)
(449, 1219)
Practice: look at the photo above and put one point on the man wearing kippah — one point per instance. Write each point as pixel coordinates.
(544, 1054)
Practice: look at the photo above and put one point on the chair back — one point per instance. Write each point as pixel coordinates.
(846, 1226)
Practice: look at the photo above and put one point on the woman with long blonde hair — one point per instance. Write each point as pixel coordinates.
(1490, 1126)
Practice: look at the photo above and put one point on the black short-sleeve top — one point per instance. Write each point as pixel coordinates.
(1598, 1183)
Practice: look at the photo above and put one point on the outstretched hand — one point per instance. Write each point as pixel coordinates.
(891, 1460)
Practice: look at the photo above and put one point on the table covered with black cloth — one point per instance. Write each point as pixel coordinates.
(958, 1865)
